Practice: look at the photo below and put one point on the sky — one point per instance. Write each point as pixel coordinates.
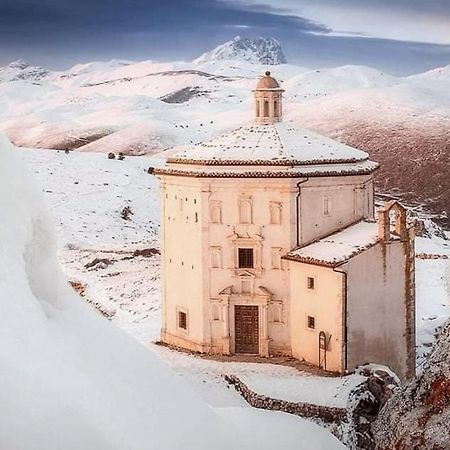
(399, 36)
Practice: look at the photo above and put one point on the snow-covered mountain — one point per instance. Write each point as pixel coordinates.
(21, 70)
(258, 50)
(146, 107)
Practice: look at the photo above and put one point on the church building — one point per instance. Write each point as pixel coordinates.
(270, 246)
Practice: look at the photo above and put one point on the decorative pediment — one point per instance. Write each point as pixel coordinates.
(227, 291)
(266, 291)
(246, 274)
(245, 236)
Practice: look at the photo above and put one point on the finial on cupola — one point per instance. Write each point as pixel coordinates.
(268, 100)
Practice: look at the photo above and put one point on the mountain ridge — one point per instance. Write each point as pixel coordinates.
(258, 50)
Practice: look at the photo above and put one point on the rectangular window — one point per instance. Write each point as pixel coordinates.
(311, 283)
(245, 258)
(311, 322)
(326, 205)
(182, 320)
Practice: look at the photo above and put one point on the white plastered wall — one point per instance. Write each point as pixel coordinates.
(324, 303)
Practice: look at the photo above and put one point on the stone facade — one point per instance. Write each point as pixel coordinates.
(238, 212)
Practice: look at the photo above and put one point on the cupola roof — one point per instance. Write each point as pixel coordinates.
(267, 82)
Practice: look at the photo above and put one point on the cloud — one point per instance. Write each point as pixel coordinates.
(402, 20)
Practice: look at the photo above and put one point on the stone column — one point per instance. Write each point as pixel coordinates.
(264, 331)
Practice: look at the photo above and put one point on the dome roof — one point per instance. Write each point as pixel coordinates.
(279, 145)
(267, 82)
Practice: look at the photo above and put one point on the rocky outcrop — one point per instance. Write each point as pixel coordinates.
(351, 424)
(258, 50)
(417, 416)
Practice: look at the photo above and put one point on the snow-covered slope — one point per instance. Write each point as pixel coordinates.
(71, 380)
(148, 106)
(258, 50)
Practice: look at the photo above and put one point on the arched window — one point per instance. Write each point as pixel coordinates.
(275, 213)
(266, 108)
(216, 213)
(257, 108)
(245, 211)
(275, 109)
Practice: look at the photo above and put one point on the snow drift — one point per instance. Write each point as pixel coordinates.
(71, 380)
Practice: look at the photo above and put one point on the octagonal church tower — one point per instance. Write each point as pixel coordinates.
(233, 211)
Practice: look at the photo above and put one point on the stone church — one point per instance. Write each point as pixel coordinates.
(271, 247)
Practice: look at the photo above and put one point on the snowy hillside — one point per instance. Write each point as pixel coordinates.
(146, 107)
(72, 380)
(257, 51)
(104, 256)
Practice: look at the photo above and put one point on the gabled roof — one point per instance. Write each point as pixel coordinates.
(337, 248)
(279, 144)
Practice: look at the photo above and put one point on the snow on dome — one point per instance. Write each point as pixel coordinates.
(276, 144)
(267, 82)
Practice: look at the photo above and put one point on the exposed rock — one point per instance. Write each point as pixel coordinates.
(417, 416)
(365, 403)
(99, 263)
(184, 95)
(258, 50)
(126, 213)
(146, 252)
(78, 287)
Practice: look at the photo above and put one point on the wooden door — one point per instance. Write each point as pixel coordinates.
(246, 329)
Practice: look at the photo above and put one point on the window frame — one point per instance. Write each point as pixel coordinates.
(245, 257)
(314, 283)
(311, 320)
(182, 319)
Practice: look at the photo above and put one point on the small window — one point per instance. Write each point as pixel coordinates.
(311, 283)
(326, 205)
(196, 217)
(311, 322)
(245, 258)
(182, 320)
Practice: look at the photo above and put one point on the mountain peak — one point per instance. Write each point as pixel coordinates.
(259, 50)
(18, 64)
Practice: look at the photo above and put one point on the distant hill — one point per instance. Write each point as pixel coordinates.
(146, 107)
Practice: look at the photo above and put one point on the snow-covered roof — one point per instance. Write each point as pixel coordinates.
(275, 144)
(339, 247)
